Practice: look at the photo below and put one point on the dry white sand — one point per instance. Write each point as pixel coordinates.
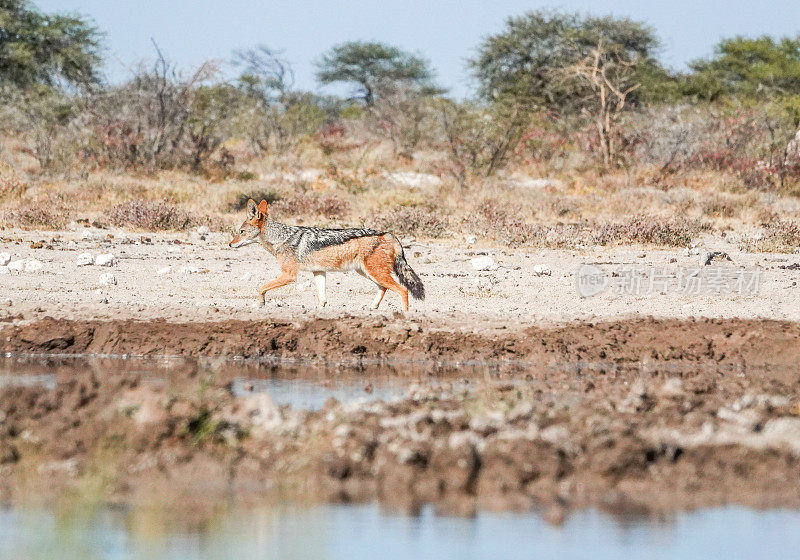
(209, 281)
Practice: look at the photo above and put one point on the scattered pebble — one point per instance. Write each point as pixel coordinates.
(711, 255)
(108, 279)
(246, 276)
(542, 270)
(5, 258)
(203, 230)
(85, 259)
(192, 270)
(106, 259)
(483, 263)
(470, 239)
(164, 270)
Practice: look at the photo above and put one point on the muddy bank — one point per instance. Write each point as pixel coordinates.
(627, 439)
(732, 342)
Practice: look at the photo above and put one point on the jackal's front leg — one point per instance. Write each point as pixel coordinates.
(288, 275)
(319, 280)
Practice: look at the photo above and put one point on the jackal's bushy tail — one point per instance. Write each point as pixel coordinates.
(408, 277)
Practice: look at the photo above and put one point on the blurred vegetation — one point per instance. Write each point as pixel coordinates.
(559, 94)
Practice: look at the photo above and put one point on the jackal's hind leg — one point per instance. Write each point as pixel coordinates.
(378, 298)
(319, 280)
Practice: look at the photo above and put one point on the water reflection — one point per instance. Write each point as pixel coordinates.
(354, 532)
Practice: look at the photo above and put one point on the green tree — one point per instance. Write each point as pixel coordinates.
(525, 62)
(38, 48)
(369, 64)
(744, 67)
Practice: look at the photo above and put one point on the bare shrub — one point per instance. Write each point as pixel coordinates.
(780, 236)
(672, 232)
(667, 137)
(311, 204)
(405, 115)
(149, 216)
(404, 220)
(11, 186)
(36, 215)
(479, 141)
(161, 118)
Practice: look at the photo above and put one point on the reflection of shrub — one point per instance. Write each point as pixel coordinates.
(309, 203)
(673, 232)
(402, 220)
(36, 216)
(150, 216)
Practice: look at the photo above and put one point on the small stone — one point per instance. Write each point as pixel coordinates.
(108, 279)
(32, 265)
(5, 258)
(245, 277)
(541, 270)
(106, 259)
(709, 257)
(164, 270)
(203, 230)
(470, 239)
(85, 259)
(483, 263)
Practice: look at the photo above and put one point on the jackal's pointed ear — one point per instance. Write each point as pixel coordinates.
(252, 208)
(263, 209)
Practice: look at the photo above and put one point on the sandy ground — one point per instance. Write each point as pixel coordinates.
(619, 401)
(206, 280)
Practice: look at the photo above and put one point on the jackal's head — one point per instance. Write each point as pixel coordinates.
(252, 226)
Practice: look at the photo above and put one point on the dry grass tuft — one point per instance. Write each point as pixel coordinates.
(672, 232)
(780, 236)
(150, 216)
(402, 220)
(311, 204)
(36, 215)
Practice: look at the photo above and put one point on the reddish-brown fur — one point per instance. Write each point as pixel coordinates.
(373, 256)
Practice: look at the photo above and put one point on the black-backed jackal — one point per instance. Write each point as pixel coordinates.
(373, 254)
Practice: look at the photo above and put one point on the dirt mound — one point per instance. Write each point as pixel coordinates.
(734, 342)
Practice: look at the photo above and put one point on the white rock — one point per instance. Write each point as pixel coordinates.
(542, 270)
(16, 266)
(174, 249)
(192, 270)
(470, 239)
(108, 279)
(85, 259)
(483, 263)
(5, 258)
(246, 276)
(106, 259)
(164, 270)
(413, 179)
(203, 230)
(32, 265)
(87, 234)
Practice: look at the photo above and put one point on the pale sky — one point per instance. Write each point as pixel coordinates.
(444, 31)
